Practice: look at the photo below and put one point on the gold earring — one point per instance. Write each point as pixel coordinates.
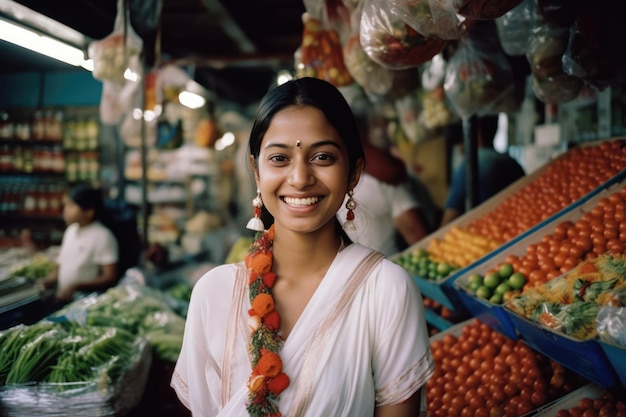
(351, 206)
(255, 223)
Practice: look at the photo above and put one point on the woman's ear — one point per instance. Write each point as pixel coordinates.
(356, 176)
(254, 168)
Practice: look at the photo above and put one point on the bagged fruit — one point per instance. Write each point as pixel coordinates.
(548, 43)
(114, 54)
(432, 18)
(388, 40)
(321, 54)
(478, 75)
(514, 28)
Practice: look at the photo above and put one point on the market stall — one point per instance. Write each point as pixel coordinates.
(523, 293)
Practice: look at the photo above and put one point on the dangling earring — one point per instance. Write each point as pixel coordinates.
(350, 205)
(256, 223)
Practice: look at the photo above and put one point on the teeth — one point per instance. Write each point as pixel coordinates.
(301, 202)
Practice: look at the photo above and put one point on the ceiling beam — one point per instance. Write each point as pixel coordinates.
(230, 27)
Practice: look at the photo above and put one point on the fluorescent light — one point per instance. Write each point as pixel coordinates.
(191, 100)
(283, 76)
(42, 44)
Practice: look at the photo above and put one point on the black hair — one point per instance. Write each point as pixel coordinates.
(309, 92)
(88, 198)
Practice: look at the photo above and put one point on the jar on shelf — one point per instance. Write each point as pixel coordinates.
(6, 126)
(71, 167)
(69, 133)
(92, 133)
(22, 130)
(54, 125)
(80, 135)
(6, 160)
(58, 160)
(29, 204)
(38, 125)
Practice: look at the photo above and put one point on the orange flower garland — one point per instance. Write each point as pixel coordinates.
(267, 379)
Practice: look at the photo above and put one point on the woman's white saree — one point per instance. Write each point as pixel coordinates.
(360, 342)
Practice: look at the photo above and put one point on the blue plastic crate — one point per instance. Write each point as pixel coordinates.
(492, 315)
(617, 356)
(440, 291)
(585, 357)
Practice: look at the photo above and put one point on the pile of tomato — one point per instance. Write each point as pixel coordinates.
(564, 181)
(611, 404)
(482, 373)
(601, 230)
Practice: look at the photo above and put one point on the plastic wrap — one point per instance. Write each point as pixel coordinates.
(321, 55)
(586, 55)
(435, 112)
(112, 55)
(432, 18)
(478, 75)
(551, 84)
(83, 398)
(388, 40)
(370, 75)
(611, 319)
(484, 9)
(515, 26)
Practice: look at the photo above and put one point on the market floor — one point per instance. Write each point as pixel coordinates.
(159, 399)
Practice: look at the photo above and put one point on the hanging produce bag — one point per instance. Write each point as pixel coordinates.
(597, 31)
(390, 41)
(432, 18)
(113, 55)
(478, 75)
(321, 54)
(484, 9)
(551, 84)
(514, 28)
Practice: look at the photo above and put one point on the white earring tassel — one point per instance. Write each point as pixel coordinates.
(255, 224)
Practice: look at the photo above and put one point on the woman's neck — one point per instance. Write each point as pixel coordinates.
(299, 254)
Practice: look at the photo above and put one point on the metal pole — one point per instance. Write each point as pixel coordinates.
(470, 144)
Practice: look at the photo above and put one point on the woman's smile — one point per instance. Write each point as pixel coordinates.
(301, 202)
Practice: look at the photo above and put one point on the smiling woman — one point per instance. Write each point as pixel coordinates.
(306, 297)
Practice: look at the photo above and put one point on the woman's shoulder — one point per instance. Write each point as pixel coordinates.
(219, 278)
(387, 268)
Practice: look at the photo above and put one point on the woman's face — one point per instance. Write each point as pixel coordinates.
(302, 169)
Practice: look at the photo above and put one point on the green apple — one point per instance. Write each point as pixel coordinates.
(496, 299)
(505, 270)
(517, 281)
(492, 279)
(483, 292)
(475, 278)
(502, 288)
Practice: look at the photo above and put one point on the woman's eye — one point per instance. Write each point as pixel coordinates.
(324, 157)
(278, 158)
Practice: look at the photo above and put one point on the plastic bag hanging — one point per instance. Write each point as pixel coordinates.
(390, 41)
(478, 75)
(320, 55)
(114, 54)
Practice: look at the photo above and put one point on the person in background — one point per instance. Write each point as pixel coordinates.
(391, 216)
(271, 335)
(88, 256)
(495, 170)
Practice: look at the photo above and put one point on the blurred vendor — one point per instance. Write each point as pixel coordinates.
(88, 256)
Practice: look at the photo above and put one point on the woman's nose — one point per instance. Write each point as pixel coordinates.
(301, 174)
